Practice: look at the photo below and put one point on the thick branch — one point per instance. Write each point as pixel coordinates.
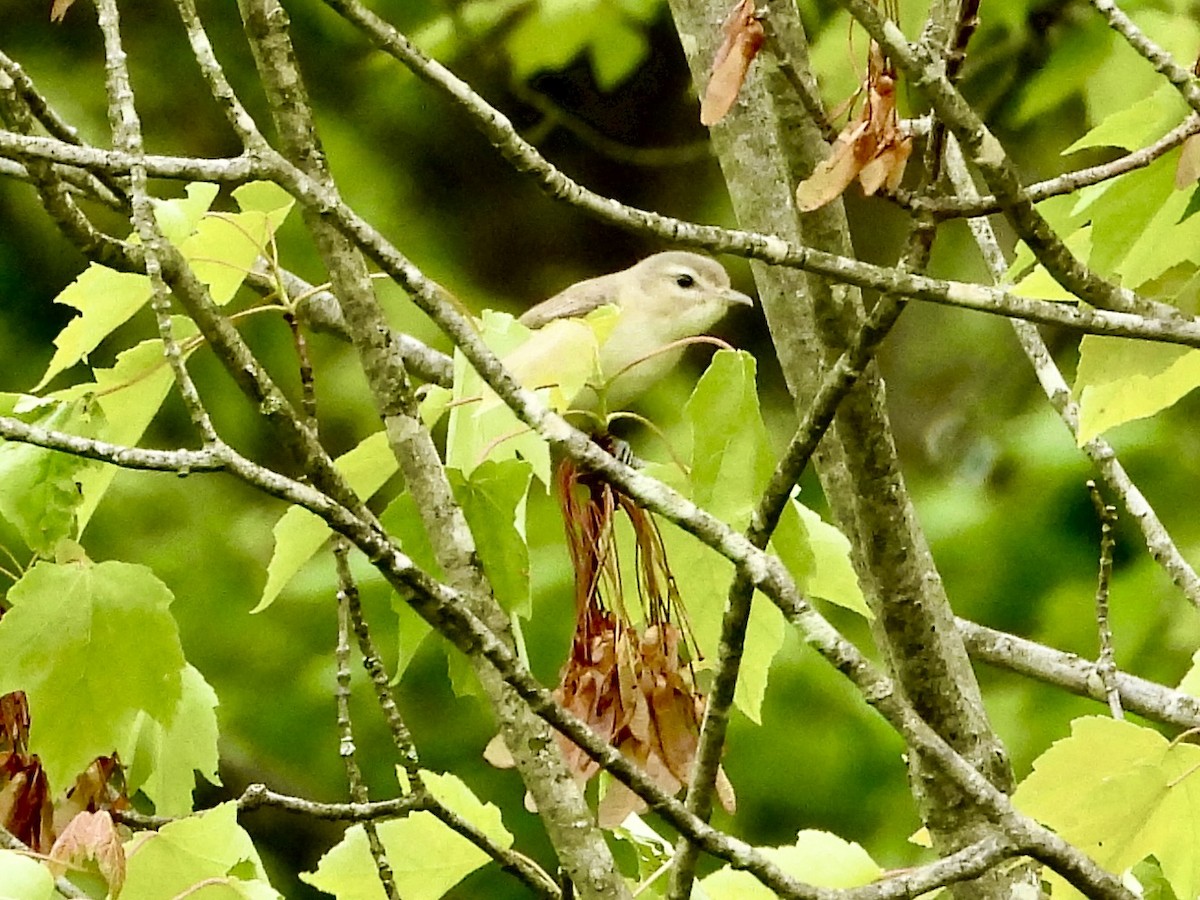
(753, 245)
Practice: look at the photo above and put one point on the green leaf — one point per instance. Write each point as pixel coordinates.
(556, 361)
(130, 394)
(299, 534)
(493, 501)
(24, 878)
(817, 857)
(1121, 212)
(730, 464)
(1168, 240)
(220, 247)
(1138, 125)
(92, 646)
(833, 577)
(1193, 206)
(1120, 793)
(555, 32)
(791, 544)
(427, 858)
(731, 459)
(402, 520)
(225, 245)
(411, 633)
(550, 36)
(209, 848)
(106, 299)
(617, 49)
(179, 217)
(264, 197)
(40, 489)
(1119, 380)
(1079, 53)
(165, 760)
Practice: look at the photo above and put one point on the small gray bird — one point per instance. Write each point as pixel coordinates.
(662, 299)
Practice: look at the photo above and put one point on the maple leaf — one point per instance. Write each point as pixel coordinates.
(744, 36)
(872, 148)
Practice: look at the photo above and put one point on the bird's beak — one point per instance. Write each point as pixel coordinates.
(737, 298)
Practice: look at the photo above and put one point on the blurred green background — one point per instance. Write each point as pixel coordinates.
(997, 481)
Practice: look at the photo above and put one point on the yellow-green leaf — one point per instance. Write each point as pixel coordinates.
(1120, 792)
(1119, 380)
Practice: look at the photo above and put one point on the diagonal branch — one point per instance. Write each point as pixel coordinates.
(444, 608)
(958, 206)
(127, 136)
(1158, 541)
(926, 72)
(1164, 64)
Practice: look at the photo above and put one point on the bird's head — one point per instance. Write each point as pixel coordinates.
(690, 291)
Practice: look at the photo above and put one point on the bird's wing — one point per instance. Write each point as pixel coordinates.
(577, 300)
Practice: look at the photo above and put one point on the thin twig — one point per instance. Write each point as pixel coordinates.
(259, 796)
(1106, 665)
(127, 136)
(958, 206)
(346, 746)
(384, 695)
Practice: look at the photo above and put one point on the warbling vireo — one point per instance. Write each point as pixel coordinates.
(663, 299)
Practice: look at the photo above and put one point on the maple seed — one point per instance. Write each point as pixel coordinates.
(744, 36)
(59, 10)
(872, 148)
(1187, 170)
(632, 683)
(91, 837)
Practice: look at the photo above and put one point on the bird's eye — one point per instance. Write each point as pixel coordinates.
(684, 280)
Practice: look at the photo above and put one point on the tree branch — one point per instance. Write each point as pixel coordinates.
(1162, 61)
(1162, 548)
(1078, 675)
(445, 610)
(753, 245)
(926, 73)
